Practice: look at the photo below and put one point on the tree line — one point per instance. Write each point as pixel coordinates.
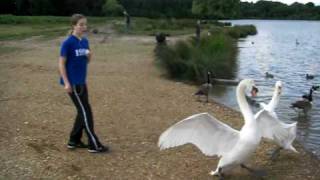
(216, 9)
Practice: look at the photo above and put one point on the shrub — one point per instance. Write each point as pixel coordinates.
(190, 60)
(241, 31)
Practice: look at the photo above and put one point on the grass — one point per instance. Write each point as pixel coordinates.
(11, 19)
(20, 27)
(241, 31)
(191, 60)
(172, 26)
(8, 49)
(21, 31)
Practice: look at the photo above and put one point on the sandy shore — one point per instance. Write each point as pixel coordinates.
(132, 104)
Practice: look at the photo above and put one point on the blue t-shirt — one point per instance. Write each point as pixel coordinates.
(74, 50)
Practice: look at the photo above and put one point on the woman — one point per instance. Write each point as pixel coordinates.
(74, 57)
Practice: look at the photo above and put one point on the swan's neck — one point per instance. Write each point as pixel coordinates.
(310, 93)
(243, 104)
(274, 101)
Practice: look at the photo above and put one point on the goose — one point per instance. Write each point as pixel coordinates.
(268, 75)
(214, 137)
(306, 103)
(309, 76)
(287, 132)
(204, 89)
(309, 96)
(315, 88)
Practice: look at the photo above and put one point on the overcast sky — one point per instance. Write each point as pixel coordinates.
(316, 2)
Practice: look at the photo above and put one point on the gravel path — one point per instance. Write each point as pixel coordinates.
(132, 104)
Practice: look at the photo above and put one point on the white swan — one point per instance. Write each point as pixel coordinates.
(281, 133)
(271, 106)
(213, 137)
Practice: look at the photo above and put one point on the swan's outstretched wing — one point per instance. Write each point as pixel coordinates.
(263, 105)
(272, 128)
(210, 135)
(271, 106)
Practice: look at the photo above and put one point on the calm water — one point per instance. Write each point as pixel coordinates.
(274, 49)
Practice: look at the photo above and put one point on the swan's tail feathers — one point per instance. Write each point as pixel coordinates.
(293, 149)
(214, 173)
(292, 128)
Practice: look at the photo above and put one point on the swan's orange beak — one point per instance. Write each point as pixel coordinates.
(254, 91)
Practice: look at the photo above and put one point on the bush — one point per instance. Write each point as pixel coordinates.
(112, 8)
(241, 31)
(190, 60)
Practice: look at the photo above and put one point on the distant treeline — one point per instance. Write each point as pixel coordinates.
(217, 9)
(278, 10)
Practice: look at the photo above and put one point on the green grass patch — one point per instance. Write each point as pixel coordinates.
(11, 19)
(191, 60)
(172, 26)
(241, 31)
(48, 27)
(8, 49)
(21, 31)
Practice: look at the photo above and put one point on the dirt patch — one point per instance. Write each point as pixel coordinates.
(132, 105)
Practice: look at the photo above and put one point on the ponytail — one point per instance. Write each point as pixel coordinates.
(70, 32)
(74, 20)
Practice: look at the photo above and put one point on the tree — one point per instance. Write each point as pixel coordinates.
(310, 4)
(218, 9)
(42, 7)
(112, 8)
(199, 8)
(7, 6)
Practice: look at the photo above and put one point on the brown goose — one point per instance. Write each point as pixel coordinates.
(309, 96)
(306, 102)
(304, 105)
(205, 88)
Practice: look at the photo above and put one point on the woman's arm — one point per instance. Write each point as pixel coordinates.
(89, 55)
(63, 73)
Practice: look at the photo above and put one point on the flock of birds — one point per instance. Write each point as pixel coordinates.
(303, 104)
(235, 147)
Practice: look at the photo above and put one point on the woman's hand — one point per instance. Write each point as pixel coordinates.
(68, 88)
(88, 54)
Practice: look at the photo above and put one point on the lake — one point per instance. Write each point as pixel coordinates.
(289, 50)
